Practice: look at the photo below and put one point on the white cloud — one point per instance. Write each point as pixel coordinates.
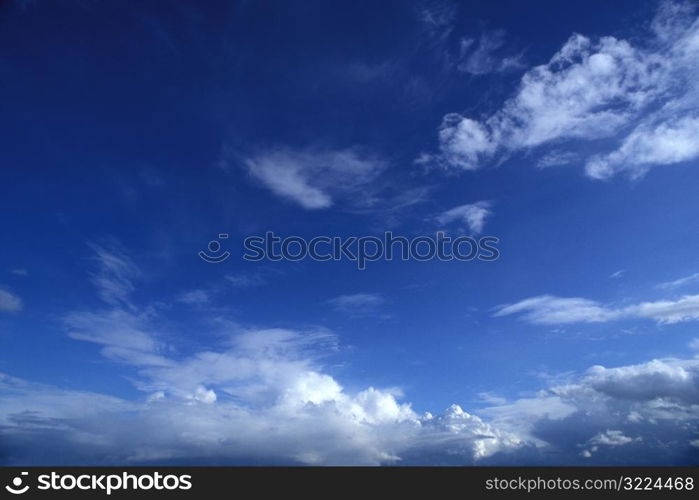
(123, 329)
(693, 278)
(264, 396)
(606, 438)
(246, 280)
(610, 438)
(358, 304)
(265, 399)
(549, 309)
(552, 310)
(315, 179)
(473, 215)
(669, 378)
(656, 402)
(194, 297)
(115, 327)
(491, 398)
(685, 308)
(642, 98)
(664, 143)
(437, 19)
(486, 54)
(20, 272)
(115, 274)
(260, 404)
(9, 302)
(556, 158)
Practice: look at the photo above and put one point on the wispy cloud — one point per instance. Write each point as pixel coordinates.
(315, 179)
(20, 272)
(678, 283)
(473, 215)
(642, 98)
(437, 19)
(552, 310)
(486, 54)
(557, 158)
(194, 297)
(246, 280)
(358, 304)
(124, 330)
(114, 275)
(9, 302)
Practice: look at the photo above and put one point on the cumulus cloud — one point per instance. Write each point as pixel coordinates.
(259, 396)
(552, 310)
(641, 98)
(9, 302)
(610, 438)
(259, 404)
(606, 438)
(265, 396)
(473, 215)
(628, 415)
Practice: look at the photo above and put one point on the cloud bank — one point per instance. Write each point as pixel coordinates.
(264, 396)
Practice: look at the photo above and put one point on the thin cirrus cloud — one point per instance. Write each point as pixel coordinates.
(680, 282)
(486, 54)
(246, 280)
(473, 55)
(358, 304)
(315, 179)
(553, 310)
(194, 297)
(9, 302)
(642, 99)
(264, 396)
(471, 215)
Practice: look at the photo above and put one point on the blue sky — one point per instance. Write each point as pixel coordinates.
(134, 135)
